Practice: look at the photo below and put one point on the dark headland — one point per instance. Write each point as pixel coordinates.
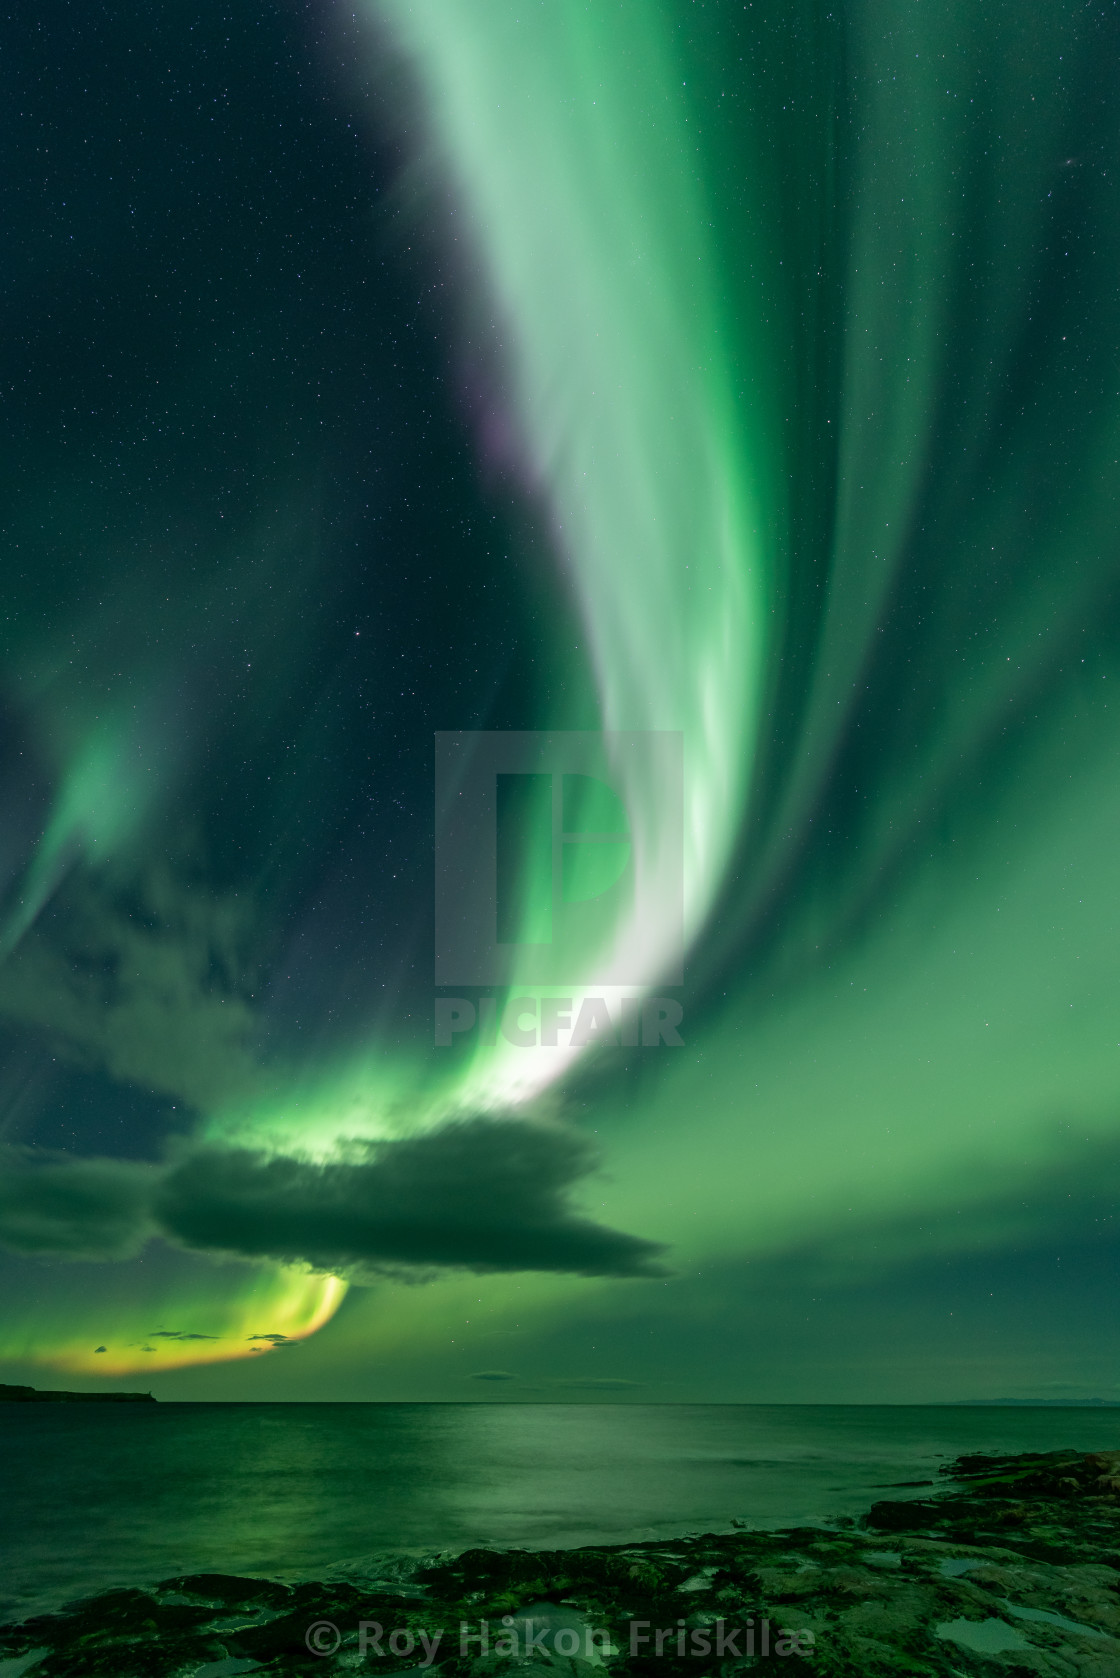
(31, 1395)
(1011, 1566)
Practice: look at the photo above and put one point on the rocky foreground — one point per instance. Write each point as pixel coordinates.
(1014, 1569)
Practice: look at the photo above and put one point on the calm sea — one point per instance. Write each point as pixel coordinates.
(95, 1497)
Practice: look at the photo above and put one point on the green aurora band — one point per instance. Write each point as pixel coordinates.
(804, 322)
(564, 134)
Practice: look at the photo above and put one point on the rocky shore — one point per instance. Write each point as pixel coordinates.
(1013, 1568)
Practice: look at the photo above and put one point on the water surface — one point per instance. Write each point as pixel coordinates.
(99, 1496)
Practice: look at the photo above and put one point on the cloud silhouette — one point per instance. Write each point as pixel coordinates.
(179, 1334)
(61, 1207)
(596, 1383)
(481, 1195)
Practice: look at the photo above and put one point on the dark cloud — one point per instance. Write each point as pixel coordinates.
(493, 1375)
(77, 1209)
(483, 1195)
(180, 1334)
(148, 983)
(596, 1383)
(100, 1349)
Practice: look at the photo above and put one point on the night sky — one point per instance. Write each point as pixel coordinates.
(747, 372)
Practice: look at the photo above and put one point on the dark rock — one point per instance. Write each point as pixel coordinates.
(225, 1587)
(901, 1517)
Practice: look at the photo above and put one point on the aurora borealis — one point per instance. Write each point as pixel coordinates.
(750, 372)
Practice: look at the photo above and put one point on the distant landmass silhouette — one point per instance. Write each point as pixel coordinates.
(31, 1395)
(1043, 1403)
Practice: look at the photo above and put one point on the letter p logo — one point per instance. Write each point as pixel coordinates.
(559, 858)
